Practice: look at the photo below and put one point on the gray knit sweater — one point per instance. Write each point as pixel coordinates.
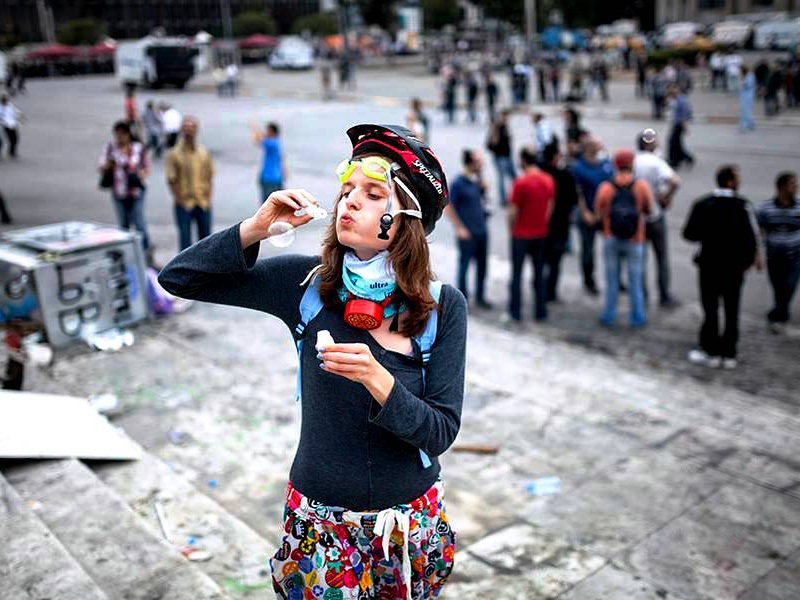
(353, 453)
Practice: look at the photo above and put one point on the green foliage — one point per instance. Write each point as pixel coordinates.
(438, 13)
(659, 58)
(80, 32)
(318, 24)
(248, 23)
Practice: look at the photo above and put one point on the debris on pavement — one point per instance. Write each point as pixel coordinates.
(476, 448)
(545, 486)
(110, 340)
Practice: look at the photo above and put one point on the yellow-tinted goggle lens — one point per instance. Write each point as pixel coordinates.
(372, 166)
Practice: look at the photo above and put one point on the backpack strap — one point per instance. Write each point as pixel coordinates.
(425, 342)
(310, 305)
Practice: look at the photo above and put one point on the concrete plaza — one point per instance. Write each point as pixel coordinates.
(677, 482)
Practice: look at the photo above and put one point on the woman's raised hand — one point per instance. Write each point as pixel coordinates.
(280, 206)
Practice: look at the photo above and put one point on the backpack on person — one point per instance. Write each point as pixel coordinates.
(624, 214)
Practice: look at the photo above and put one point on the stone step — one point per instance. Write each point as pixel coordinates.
(112, 544)
(239, 556)
(26, 545)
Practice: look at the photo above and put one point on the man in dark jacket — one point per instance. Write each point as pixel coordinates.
(560, 220)
(723, 224)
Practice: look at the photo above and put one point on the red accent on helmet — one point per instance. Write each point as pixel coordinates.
(417, 162)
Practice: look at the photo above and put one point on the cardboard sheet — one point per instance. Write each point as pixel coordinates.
(51, 426)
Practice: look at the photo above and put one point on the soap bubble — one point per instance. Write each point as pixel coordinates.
(281, 234)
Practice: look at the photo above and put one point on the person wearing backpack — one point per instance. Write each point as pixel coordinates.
(382, 399)
(621, 205)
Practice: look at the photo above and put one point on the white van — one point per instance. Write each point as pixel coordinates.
(292, 53)
(677, 34)
(732, 33)
(777, 35)
(154, 62)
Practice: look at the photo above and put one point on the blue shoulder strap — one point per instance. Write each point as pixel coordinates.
(425, 342)
(310, 305)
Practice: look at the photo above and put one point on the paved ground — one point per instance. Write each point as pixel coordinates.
(677, 482)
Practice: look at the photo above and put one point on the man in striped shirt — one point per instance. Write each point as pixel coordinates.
(779, 219)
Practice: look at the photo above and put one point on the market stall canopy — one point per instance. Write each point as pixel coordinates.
(258, 40)
(53, 51)
(103, 49)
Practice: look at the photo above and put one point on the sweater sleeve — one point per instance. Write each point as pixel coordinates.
(217, 270)
(694, 228)
(432, 422)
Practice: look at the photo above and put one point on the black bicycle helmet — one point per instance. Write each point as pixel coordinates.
(417, 162)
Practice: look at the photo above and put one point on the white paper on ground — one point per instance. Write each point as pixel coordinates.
(51, 426)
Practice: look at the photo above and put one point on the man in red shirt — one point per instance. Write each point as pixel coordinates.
(532, 199)
(621, 205)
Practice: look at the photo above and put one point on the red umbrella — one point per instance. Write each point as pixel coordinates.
(103, 49)
(258, 40)
(53, 51)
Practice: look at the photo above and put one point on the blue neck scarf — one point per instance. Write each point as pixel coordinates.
(371, 279)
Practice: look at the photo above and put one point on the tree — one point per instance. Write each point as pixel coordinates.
(324, 23)
(80, 32)
(248, 23)
(438, 13)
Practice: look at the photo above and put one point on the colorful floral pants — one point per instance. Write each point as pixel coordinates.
(331, 553)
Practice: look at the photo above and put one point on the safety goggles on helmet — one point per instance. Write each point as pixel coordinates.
(380, 169)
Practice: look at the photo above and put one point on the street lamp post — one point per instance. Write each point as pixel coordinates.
(530, 20)
(227, 28)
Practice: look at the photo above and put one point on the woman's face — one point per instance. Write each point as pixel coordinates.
(122, 137)
(358, 214)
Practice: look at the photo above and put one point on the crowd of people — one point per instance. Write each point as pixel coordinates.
(575, 80)
(625, 199)
(124, 168)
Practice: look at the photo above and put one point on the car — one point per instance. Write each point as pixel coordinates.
(292, 53)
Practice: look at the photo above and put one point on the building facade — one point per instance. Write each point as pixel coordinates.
(20, 20)
(710, 11)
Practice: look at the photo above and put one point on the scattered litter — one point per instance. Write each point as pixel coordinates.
(161, 515)
(545, 486)
(112, 340)
(195, 554)
(37, 352)
(34, 505)
(238, 586)
(178, 437)
(212, 483)
(476, 448)
(181, 305)
(104, 403)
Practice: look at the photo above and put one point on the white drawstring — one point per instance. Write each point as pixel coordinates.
(385, 524)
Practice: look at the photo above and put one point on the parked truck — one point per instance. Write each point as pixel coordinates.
(154, 62)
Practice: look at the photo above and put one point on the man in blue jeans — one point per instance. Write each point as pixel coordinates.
(190, 172)
(467, 213)
(590, 170)
(621, 205)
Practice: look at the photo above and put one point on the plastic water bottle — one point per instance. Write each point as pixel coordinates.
(282, 234)
(545, 486)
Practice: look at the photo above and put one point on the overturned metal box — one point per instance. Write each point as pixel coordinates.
(74, 278)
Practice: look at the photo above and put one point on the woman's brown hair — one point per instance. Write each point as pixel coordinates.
(408, 254)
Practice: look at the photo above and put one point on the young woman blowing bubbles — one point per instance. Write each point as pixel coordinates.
(364, 515)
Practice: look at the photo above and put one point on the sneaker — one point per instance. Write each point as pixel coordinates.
(484, 304)
(777, 328)
(700, 357)
(729, 364)
(669, 303)
(591, 289)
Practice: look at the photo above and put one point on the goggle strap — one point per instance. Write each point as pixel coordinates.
(404, 187)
